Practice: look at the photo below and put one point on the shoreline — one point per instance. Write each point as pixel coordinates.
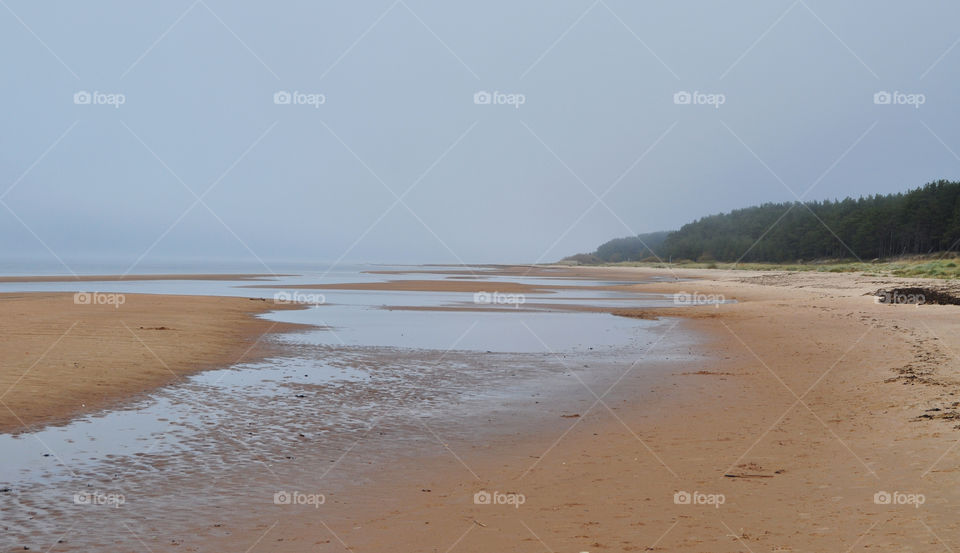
(133, 277)
(805, 399)
(63, 360)
(809, 400)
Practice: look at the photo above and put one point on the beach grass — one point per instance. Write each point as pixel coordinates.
(930, 266)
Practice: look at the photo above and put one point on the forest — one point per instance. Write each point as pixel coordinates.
(920, 221)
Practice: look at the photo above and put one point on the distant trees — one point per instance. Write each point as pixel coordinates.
(631, 248)
(919, 221)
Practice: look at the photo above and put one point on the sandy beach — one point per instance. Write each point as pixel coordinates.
(137, 277)
(462, 277)
(808, 405)
(811, 405)
(61, 358)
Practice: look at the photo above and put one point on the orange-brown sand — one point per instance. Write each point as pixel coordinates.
(811, 401)
(59, 358)
(112, 278)
(425, 286)
(812, 404)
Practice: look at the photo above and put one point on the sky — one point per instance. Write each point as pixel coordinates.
(408, 131)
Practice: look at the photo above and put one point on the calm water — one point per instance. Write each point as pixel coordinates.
(284, 417)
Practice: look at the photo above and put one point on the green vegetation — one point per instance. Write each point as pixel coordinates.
(929, 266)
(631, 248)
(898, 234)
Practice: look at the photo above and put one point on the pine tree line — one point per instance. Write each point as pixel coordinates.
(920, 221)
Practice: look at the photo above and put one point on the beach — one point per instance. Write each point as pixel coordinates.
(811, 399)
(437, 277)
(804, 417)
(63, 355)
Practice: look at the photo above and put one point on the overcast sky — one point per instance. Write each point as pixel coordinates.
(389, 154)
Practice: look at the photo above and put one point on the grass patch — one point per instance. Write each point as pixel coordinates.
(937, 266)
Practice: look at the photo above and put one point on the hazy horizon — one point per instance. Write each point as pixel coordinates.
(606, 142)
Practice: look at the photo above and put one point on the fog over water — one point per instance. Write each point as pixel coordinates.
(411, 131)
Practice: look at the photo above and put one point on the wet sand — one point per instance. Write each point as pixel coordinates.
(61, 359)
(119, 278)
(424, 286)
(810, 402)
